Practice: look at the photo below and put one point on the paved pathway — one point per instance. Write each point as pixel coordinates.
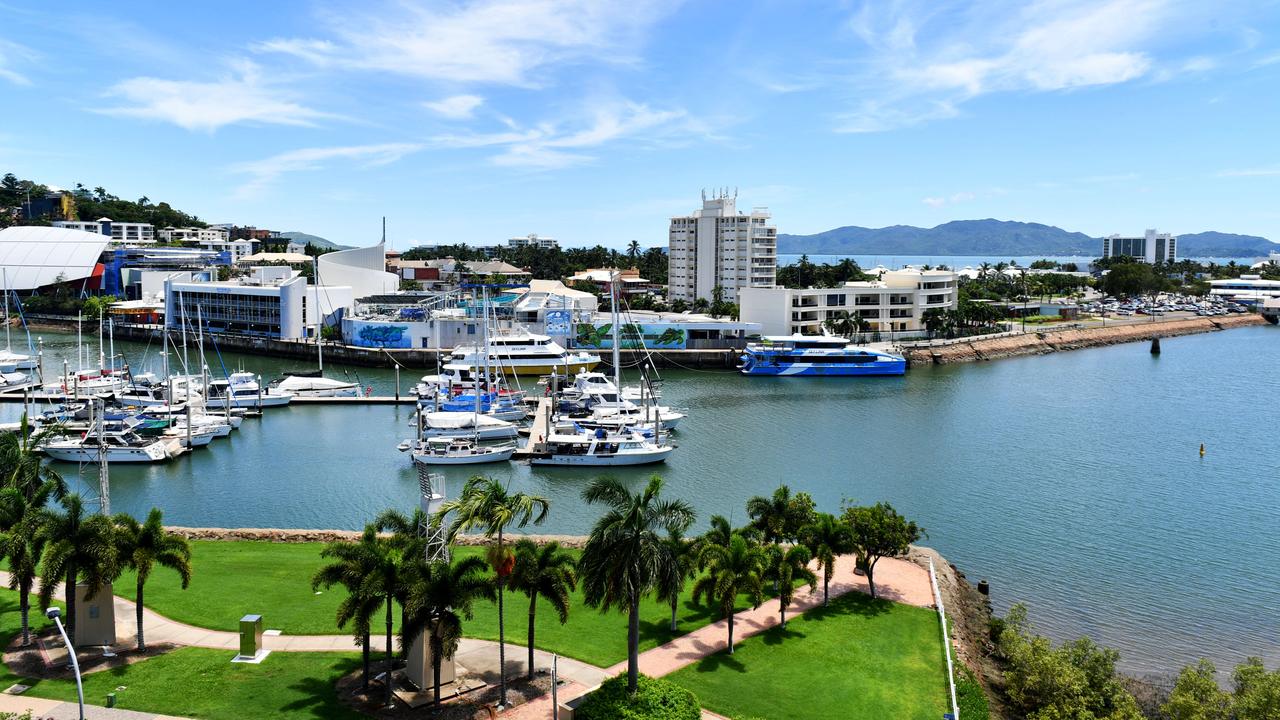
(57, 710)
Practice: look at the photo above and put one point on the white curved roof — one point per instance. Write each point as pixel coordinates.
(35, 256)
(363, 269)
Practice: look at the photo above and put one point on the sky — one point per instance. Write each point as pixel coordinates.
(596, 121)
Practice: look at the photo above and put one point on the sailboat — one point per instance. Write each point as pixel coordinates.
(11, 361)
(314, 383)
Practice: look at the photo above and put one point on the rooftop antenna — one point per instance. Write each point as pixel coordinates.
(384, 230)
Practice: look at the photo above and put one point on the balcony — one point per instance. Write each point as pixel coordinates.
(804, 302)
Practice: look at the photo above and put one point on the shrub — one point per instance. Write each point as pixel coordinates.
(655, 699)
(970, 697)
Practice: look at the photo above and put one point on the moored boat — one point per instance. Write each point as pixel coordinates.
(816, 355)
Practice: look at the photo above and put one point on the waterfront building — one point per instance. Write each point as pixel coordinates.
(629, 280)
(1250, 289)
(1152, 247)
(893, 303)
(193, 234)
(120, 232)
(720, 246)
(34, 257)
(273, 301)
(361, 269)
(125, 268)
(443, 273)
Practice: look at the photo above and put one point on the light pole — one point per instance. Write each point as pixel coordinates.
(56, 616)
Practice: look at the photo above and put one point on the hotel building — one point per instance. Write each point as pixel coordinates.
(1151, 248)
(896, 302)
(718, 245)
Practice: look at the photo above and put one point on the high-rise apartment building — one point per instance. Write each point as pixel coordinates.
(720, 246)
(1152, 247)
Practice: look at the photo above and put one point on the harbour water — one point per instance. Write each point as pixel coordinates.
(956, 262)
(1072, 481)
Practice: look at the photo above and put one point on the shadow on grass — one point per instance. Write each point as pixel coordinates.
(853, 603)
(320, 695)
(717, 661)
(778, 635)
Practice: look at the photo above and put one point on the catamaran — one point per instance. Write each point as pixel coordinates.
(816, 355)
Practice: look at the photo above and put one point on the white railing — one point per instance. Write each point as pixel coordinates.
(946, 641)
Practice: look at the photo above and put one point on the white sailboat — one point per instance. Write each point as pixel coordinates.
(117, 444)
(10, 360)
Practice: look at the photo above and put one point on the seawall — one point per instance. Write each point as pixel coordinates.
(1040, 343)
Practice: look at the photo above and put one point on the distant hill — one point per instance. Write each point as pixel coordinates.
(316, 240)
(997, 238)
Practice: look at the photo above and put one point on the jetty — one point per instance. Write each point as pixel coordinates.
(537, 431)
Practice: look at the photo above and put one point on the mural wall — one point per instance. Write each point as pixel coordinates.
(658, 336)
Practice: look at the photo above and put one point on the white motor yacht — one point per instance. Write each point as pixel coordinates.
(121, 446)
(599, 448)
(305, 386)
(461, 424)
(241, 389)
(524, 353)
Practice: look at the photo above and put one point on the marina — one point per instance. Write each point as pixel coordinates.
(1075, 501)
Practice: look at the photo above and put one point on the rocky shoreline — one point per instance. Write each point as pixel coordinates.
(1040, 343)
(281, 535)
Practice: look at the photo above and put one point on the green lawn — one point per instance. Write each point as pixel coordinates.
(859, 658)
(230, 579)
(201, 683)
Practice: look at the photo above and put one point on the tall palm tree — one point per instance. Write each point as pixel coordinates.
(681, 565)
(385, 583)
(780, 516)
(487, 504)
(142, 546)
(549, 572)
(731, 569)
(828, 538)
(789, 568)
(351, 563)
(439, 596)
(624, 554)
(77, 546)
(633, 250)
(22, 544)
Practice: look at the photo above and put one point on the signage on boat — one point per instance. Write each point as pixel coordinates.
(655, 336)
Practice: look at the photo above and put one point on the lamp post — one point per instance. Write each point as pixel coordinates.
(56, 616)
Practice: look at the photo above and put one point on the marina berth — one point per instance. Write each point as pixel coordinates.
(241, 389)
(816, 355)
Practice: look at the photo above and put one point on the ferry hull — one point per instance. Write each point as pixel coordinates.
(648, 458)
(898, 367)
(547, 368)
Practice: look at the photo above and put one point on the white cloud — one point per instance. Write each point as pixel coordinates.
(492, 41)
(241, 96)
(960, 197)
(552, 145)
(262, 173)
(457, 107)
(9, 52)
(925, 60)
(1251, 172)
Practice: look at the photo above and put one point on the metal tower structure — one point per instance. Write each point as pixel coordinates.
(432, 486)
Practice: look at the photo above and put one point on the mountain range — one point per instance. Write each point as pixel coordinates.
(316, 240)
(999, 238)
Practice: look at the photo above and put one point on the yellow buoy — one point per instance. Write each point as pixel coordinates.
(1201, 449)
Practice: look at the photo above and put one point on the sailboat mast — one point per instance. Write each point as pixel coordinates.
(320, 315)
(102, 357)
(613, 305)
(4, 277)
(104, 477)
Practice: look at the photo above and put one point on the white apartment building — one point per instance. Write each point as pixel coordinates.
(193, 234)
(1246, 288)
(718, 245)
(533, 240)
(273, 301)
(1152, 247)
(896, 302)
(120, 232)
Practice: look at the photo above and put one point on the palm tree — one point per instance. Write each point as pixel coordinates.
(438, 597)
(827, 537)
(624, 555)
(352, 563)
(488, 504)
(780, 517)
(633, 250)
(21, 465)
(681, 565)
(731, 569)
(141, 547)
(22, 544)
(789, 568)
(387, 565)
(76, 546)
(547, 571)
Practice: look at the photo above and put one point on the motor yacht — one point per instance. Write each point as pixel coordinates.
(241, 389)
(461, 451)
(599, 448)
(524, 353)
(816, 355)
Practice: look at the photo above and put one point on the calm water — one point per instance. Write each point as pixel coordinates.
(1071, 481)
(959, 261)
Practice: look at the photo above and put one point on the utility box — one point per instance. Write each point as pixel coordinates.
(250, 635)
(419, 670)
(96, 618)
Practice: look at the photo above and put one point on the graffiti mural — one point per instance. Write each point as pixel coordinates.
(631, 336)
(388, 336)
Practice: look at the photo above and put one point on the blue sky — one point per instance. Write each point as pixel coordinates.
(593, 122)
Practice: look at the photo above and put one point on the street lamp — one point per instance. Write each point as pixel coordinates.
(56, 616)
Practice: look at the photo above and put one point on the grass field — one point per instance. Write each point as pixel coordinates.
(858, 658)
(230, 579)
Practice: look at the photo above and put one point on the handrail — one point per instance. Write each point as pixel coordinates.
(946, 641)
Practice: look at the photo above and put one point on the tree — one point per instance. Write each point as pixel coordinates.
(828, 538)
(439, 596)
(788, 568)
(142, 546)
(77, 546)
(633, 250)
(548, 572)
(22, 544)
(386, 561)
(352, 562)
(21, 464)
(487, 504)
(1197, 696)
(841, 323)
(878, 531)
(624, 555)
(731, 570)
(780, 517)
(681, 565)
(1257, 692)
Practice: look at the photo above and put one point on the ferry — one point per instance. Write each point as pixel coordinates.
(524, 353)
(816, 355)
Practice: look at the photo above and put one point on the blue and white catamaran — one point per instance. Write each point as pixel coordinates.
(816, 355)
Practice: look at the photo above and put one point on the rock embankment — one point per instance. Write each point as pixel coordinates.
(304, 536)
(1048, 341)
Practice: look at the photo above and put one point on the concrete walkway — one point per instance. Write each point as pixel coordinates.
(43, 709)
